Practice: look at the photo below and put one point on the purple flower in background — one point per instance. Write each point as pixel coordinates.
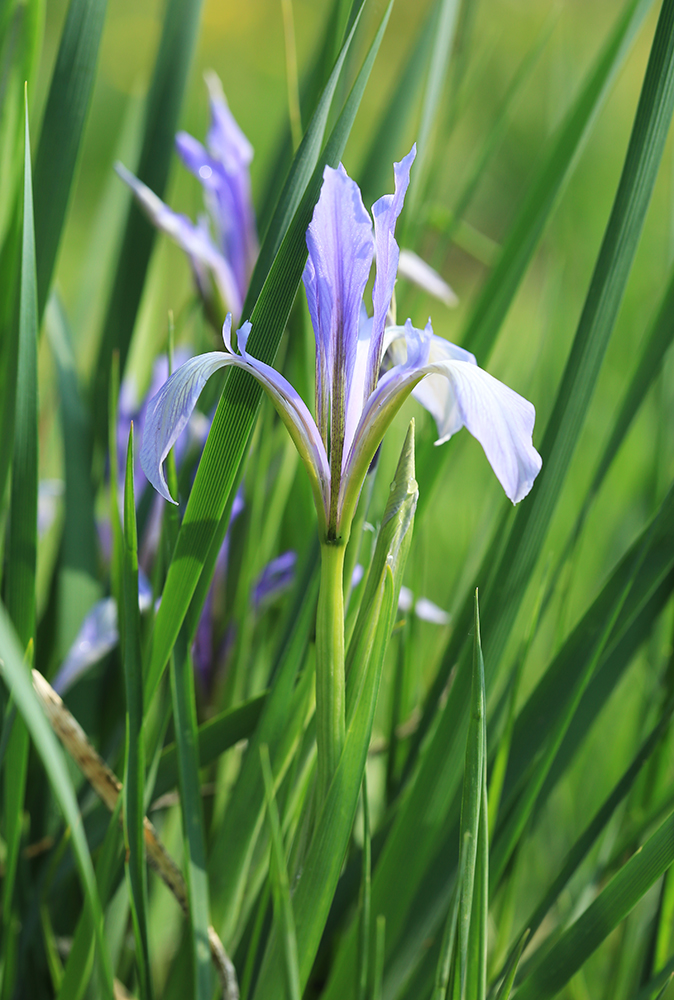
(355, 402)
(222, 245)
(274, 579)
(98, 635)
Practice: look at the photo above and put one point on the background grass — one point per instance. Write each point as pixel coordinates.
(489, 142)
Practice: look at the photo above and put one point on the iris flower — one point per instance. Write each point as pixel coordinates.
(223, 262)
(355, 402)
(364, 373)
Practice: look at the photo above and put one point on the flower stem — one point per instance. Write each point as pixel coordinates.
(330, 665)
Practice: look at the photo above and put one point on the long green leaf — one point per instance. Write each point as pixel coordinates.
(495, 298)
(15, 676)
(282, 902)
(515, 564)
(80, 959)
(471, 803)
(184, 713)
(597, 320)
(179, 34)
(598, 824)
(63, 123)
(322, 865)
(612, 905)
(214, 737)
(79, 588)
(134, 759)
(236, 412)
(22, 546)
(443, 40)
(232, 848)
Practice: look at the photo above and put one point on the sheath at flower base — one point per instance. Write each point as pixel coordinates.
(355, 403)
(223, 263)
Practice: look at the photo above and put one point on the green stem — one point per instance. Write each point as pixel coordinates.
(330, 664)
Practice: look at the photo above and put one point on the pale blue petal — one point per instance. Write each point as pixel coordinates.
(500, 419)
(234, 204)
(97, 636)
(386, 211)
(356, 393)
(194, 239)
(274, 580)
(340, 244)
(169, 411)
(226, 141)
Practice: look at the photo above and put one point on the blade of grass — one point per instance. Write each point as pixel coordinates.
(134, 757)
(508, 834)
(214, 737)
(495, 298)
(505, 989)
(80, 959)
(179, 34)
(471, 803)
(281, 723)
(476, 972)
(236, 412)
(530, 523)
(364, 902)
(79, 588)
(283, 908)
(443, 40)
(22, 542)
(581, 848)
(393, 120)
(185, 718)
(63, 123)
(321, 868)
(596, 323)
(13, 672)
(612, 905)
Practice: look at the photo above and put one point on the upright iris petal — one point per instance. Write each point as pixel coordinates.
(386, 212)
(222, 167)
(340, 244)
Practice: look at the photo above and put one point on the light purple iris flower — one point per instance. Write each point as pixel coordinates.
(222, 245)
(355, 402)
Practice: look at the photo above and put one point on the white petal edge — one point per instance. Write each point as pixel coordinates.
(415, 269)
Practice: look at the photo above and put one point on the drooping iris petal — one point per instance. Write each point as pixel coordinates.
(194, 239)
(500, 419)
(386, 211)
(340, 244)
(169, 411)
(171, 408)
(435, 393)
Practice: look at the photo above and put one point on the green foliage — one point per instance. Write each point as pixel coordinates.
(498, 819)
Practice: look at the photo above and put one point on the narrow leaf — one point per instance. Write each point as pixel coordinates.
(63, 123)
(134, 760)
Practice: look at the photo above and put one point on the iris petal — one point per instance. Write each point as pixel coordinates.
(386, 211)
(170, 410)
(194, 239)
(340, 244)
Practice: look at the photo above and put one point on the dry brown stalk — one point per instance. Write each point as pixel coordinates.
(108, 787)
